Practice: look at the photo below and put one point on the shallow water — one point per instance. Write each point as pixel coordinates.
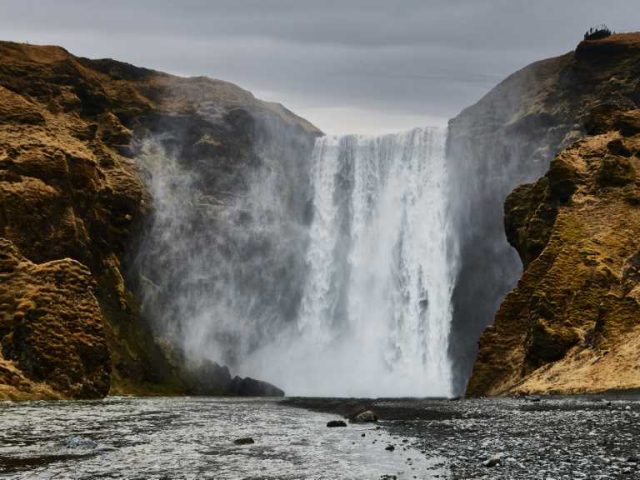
(193, 438)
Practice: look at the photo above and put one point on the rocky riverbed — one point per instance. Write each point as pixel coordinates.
(546, 438)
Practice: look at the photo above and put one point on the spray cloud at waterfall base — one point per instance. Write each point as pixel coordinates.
(327, 274)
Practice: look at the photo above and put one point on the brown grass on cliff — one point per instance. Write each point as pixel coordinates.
(51, 329)
(572, 325)
(71, 198)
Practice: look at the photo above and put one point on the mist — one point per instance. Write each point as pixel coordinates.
(326, 271)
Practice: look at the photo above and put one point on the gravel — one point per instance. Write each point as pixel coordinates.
(514, 438)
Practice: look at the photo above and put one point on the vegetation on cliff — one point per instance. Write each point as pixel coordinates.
(71, 205)
(509, 138)
(572, 324)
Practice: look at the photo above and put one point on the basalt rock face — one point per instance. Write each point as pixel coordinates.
(572, 323)
(73, 203)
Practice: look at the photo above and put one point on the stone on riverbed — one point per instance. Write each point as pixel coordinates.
(336, 423)
(493, 460)
(81, 443)
(365, 417)
(244, 441)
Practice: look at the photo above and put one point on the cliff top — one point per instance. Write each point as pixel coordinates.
(597, 74)
(135, 89)
(629, 38)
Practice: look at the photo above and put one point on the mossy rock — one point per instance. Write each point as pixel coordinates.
(549, 343)
(615, 171)
(628, 123)
(563, 180)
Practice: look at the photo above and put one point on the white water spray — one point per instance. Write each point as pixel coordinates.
(356, 303)
(376, 309)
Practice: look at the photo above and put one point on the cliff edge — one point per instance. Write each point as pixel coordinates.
(72, 202)
(572, 324)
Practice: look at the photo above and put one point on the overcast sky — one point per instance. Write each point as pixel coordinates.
(346, 65)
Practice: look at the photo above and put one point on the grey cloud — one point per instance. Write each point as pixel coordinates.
(413, 57)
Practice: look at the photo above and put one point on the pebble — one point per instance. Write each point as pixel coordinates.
(557, 438)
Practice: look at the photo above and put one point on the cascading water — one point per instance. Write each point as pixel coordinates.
(375, 314)
(356, 302)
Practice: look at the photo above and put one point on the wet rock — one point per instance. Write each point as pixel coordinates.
(244, 441)
(365, 417)
(493, 461)
(336, 423)
(210, 378)
(80, 443)
(390, 448)
(250, 387)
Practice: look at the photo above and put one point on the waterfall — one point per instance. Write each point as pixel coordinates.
(353, 299)
(376, 309)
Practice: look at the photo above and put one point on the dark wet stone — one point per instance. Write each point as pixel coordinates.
(336, 423)
(244, 441)
(250, 387)
(390, 448)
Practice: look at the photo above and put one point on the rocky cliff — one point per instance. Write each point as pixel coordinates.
(73, 204)
(572, 323)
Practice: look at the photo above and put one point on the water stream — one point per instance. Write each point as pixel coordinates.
(193, 438)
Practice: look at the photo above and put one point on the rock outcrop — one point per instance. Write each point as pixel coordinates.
(52, 333)
(209, 378)
(572, 324)
(72, 204)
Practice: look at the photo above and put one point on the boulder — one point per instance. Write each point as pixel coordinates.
(365, 417)
(250, 387)
(244, 441)
(493, 460)
(210, 378)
